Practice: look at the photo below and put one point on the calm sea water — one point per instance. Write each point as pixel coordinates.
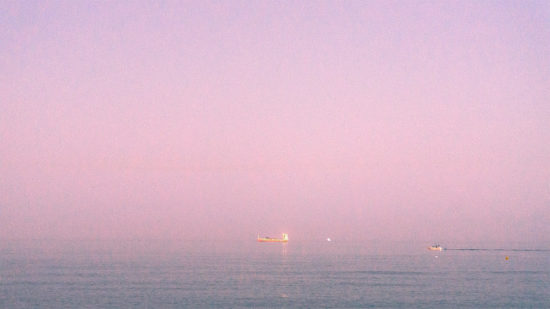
(138, 274)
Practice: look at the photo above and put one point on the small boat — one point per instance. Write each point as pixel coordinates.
(435, 248)
(269, 239)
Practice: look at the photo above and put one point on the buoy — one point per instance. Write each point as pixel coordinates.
(506, 258)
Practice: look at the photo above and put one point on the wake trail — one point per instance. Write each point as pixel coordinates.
(487, 249)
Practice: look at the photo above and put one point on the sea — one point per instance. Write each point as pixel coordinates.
(248, 274)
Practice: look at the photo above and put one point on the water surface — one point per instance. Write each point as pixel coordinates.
(162, 274)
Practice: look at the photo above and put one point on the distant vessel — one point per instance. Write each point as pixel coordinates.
(269, 239)
(435, 248)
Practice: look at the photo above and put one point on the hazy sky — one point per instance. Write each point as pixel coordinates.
(349, 119)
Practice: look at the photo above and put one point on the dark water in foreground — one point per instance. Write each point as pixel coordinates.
(168, 275)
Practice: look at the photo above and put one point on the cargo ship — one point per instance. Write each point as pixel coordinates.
(435, 248)
(269, 239)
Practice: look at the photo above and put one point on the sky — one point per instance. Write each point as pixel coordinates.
(355, 120)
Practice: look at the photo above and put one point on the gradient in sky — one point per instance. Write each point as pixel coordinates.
(344, 119)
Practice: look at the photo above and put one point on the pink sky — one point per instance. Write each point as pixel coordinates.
(349, 119)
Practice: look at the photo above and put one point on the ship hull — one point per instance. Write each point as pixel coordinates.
(271, 240)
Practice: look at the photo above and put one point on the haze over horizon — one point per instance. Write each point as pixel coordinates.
(203, 120)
